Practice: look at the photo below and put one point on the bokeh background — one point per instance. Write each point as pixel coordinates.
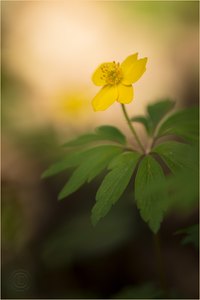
(49, 51)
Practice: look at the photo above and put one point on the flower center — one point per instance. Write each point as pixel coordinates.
(112, 73)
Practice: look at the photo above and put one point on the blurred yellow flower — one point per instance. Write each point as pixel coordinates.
(72, 105)
(117, 80)
(69, 106)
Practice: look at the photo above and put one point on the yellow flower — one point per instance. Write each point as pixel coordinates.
(117, 80)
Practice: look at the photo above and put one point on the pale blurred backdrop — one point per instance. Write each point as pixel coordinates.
(53, 47)
(49, 52)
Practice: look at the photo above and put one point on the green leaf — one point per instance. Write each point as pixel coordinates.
(151, 203)
(90, 167)
(176, 155)
(184, 190)
(114, 184)
(144, 121)
(183, 183)
(155, 113)
(102, 133)
(83, 139)
(72, 160)
(158, 110)
(192, 235)
(111, 133)
(182, 123)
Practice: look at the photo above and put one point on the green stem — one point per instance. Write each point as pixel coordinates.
(152, 143)
(132, 128)
(159, 262)
(155, 137)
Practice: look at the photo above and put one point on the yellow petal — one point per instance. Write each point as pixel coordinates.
(125, 93)
(129, 61)
(98, 75)
(106, 97)
(134, 71)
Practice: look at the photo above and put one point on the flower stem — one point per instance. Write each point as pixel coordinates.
(132, 128)
(159, 263)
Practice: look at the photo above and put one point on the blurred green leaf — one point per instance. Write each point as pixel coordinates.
(192, 235)
(155, 113)
(144, 291)
(77, 237)
(144, 121)
(102, 133)
(183, 190)
(183, 184)
(176, 155)
(111, 133)
(152, 203)
(186, 189)
(158, 110)
(114, 184)
(83, 139)
(90, 167)
(182, 123)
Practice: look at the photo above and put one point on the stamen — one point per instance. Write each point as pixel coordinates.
(111, 73)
